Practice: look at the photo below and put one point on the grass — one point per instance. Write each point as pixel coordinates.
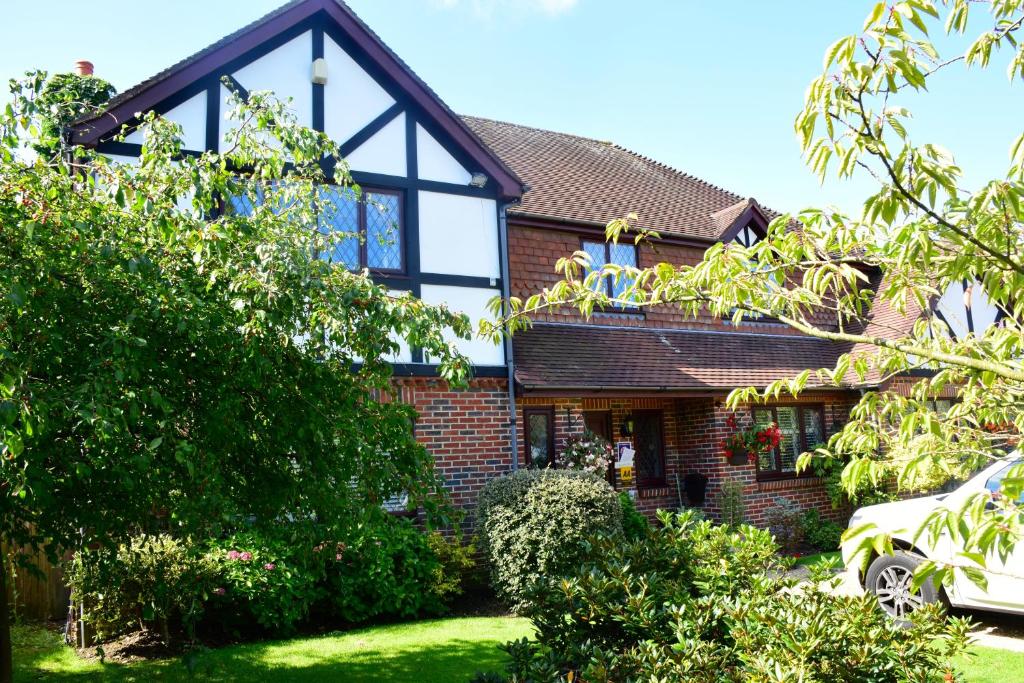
(989, 665)
(808, 560)
(439, 651)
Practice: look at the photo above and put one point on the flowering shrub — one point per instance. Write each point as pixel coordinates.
(589, 453)
(385, 570)
(753, 440)
(267, 581)
(702, 603)
(156, 581)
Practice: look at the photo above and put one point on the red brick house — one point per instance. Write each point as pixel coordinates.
(485, 209)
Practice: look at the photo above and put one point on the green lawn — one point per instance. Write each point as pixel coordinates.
(989, 665)
(439, 651)
(811, 559)
(426, 651)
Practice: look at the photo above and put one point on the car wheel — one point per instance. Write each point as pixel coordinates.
(890, 578)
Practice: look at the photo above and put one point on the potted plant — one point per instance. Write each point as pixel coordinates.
(739, 446)
(587, 452)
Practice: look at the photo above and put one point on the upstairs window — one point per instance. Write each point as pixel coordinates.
(372, 223)
(371, 226)
(605, 253)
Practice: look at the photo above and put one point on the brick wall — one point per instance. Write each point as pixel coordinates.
(533, 253)
(693, 430)
(466, 431)
(702, 426)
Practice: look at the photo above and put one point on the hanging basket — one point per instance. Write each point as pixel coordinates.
(741, 458)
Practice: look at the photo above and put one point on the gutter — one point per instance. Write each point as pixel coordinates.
(506, 294)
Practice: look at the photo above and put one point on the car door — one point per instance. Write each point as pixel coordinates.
(1005, 590)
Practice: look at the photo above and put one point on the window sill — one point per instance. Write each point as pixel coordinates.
(652, 490)
(789, 483)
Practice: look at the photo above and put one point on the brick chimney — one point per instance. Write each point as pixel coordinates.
(83, 67)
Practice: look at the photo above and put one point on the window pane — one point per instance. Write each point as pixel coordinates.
(383, 232)
(539, 428)
(340, 217)
(789, 448)
(622, 255)
(814, 431)
(766, 461)
(647, 439)
(596, 252)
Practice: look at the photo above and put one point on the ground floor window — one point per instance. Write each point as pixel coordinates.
(802, 427)
(649, 442)
(540, 437)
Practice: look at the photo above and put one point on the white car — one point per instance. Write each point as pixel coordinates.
(889, 576)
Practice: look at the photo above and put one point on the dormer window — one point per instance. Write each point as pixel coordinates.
(605, 253)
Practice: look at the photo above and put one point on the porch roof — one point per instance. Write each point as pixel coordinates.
(575, 357)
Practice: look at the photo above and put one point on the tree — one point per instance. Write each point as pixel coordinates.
(920, 231)
(175, 354)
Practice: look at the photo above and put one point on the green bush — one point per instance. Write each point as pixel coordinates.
(703, 603)
(270, 581)
(150, 582)
(821, 533)
(534, 523)
(387, 570)
(634, 524)
(455, 562)
(785, 521)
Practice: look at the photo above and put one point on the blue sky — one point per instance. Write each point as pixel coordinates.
(708, 87)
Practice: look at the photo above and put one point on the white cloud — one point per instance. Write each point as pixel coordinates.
(487, 8)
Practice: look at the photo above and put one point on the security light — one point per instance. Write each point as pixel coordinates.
(478, 180)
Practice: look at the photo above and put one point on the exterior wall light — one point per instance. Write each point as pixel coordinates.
(478, 180)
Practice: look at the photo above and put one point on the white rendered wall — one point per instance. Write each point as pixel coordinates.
(458, 235)
(404, 354)
(472, 302)
(435, 163)
(191, 116)
(352, 99)
(287, 72)
(384, 152)
(952, 306)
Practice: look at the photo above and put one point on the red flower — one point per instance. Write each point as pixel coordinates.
(728, 453)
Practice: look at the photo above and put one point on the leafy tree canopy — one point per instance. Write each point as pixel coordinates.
(168, 362)
(921, 230)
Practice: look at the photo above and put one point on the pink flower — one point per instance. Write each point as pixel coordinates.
(219, 591)
(269, 566)
(338, 557)
(234, 554)
(245, 557)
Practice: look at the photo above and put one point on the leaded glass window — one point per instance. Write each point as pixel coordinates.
(604, 253)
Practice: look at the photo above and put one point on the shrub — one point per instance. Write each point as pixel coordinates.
(821, 533)
(149, 581)
(270, 581)
(703, 603)
(634, 524)
(534, 523)
(388, 569)
(785, 519)
(730, 502)
(455, 561)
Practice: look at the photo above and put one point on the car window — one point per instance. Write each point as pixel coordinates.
(995, 482)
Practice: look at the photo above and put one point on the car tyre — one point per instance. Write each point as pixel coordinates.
(890, 579)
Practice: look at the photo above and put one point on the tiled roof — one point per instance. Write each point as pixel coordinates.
(592, 357)
(580, 179)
